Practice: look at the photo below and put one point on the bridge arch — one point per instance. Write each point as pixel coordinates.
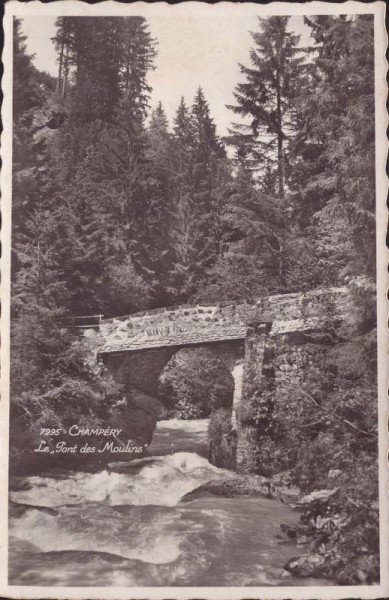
(142, 369)
(200, 379)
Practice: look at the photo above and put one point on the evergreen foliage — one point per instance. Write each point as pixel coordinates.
(267, 99)
(199, 161)
(195, 383)
(115, 211)
(334, 187)
(250, 263)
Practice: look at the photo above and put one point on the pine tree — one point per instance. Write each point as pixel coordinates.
(138, 51)
(208, 155)
(63, 43)
(198, 184)
(160, 172)
(266, 99)
(31, 90)
(102, 166)
(251, 262)
(27, 93)
(94, 54)
(183, 228)
(334, 150)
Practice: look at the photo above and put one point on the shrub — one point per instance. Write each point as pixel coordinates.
(194, 383)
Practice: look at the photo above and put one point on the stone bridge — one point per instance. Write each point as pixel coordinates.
(136, 348)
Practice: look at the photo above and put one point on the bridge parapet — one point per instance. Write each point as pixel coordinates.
(196, 324)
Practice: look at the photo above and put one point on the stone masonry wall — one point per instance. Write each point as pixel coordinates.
(285, 307)
(270, 391)
(285, 337)
(251, 413)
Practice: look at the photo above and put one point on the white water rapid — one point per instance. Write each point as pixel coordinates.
(128, 525)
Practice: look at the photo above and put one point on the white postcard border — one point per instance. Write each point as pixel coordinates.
(74, 7)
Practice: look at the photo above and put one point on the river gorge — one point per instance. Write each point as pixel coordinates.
(140, 523)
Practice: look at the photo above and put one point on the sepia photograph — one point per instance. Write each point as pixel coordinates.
(195, 207)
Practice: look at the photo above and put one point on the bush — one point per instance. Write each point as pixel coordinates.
(195, 383)
(329, 426)
(56, 383)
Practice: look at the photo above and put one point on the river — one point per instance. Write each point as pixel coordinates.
(130, 525)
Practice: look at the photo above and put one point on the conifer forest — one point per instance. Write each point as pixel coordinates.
(117, 209)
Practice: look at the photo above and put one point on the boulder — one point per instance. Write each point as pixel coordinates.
(308, 565)
(318, 496)
(234, 486)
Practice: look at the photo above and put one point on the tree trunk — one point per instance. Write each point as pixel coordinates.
(280, 158)
(59, 80)
(280, 148)
(65, 74)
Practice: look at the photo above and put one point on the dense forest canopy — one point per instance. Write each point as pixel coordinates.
(115, 210)
(125, 212)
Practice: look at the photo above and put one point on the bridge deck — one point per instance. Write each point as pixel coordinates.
(185, 326)
(185, 336)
